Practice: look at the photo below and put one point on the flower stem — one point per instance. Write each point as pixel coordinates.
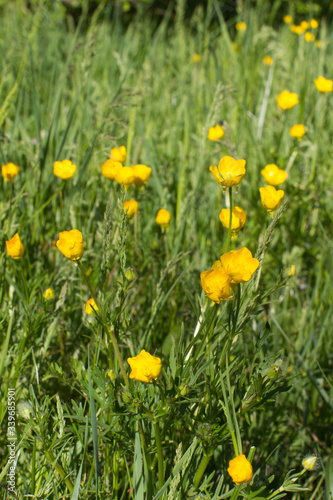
(201, 469)
(159, 454)
(230, 221)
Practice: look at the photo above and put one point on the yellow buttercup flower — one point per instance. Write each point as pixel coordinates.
(15, 248)
(305, 25)
(71, 244)
(287, 100)
(314, 23)
(297, 29)
(297, 131)
(290, 271)
(9, 171)
(309, 37)
(110, 169)
(132, 208)
(240, 470)
(239, 265)
(216, 283)
(141, 174)
(267, 60)
(196, 58)
(145, 367)
(119, 154)
(215, 133)
(48, 294)
(310, 462)
(163, 218)
(90, 307)
(271, 198)
(238, 220)
(273, 174)
(64, 169)
(318, 44)
(240, 26)
(323, 84)
(288, 19)
(229, 172)
(125, 176)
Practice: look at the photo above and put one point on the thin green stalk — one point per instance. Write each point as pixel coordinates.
(201, 469)
(42, 207)
(230, 221)
(159, 454)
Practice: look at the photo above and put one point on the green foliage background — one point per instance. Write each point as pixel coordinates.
(74, 91)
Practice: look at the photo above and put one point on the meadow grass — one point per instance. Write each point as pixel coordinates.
(252, 375)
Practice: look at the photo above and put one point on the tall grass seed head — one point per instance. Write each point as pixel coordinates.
(125, 176)
(297, 131)
(216, 283)
(9, 171)
(324, 85)
(163, 218)
(238, 219)
(271, 198)
(240, 470)
(141, 174)
(111, 168)
(48, 294)
(132, 208)
(64, 169)
(239, 265)
(119, 154)
(15, 248)
(215, 133)
(71, 244)
(229, 172)
(145, 367)
(273, 174)
(287, 100)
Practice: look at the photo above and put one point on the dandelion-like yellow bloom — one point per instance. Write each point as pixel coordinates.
(110, 169)
(297, 29)
(125, 176)
(297, 131)
(240, 26)
(229, 172)
(309, 37)
(240, 470)
(273, 174)
(9, 171)
(90, 307)
(271, 198)
(215, 133)
(163, 218)
(314, 24)
(196, 58)
(239, 265)
(132, 208)
(287, 100)
(48, 294)
(119, 154)
(216, 283)
(287, 19)
(15, 248)
(267, 60)
(238, 219)
(141, 174)
(145, 367)
(71, 244)
(64, 169)
(323, 84)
